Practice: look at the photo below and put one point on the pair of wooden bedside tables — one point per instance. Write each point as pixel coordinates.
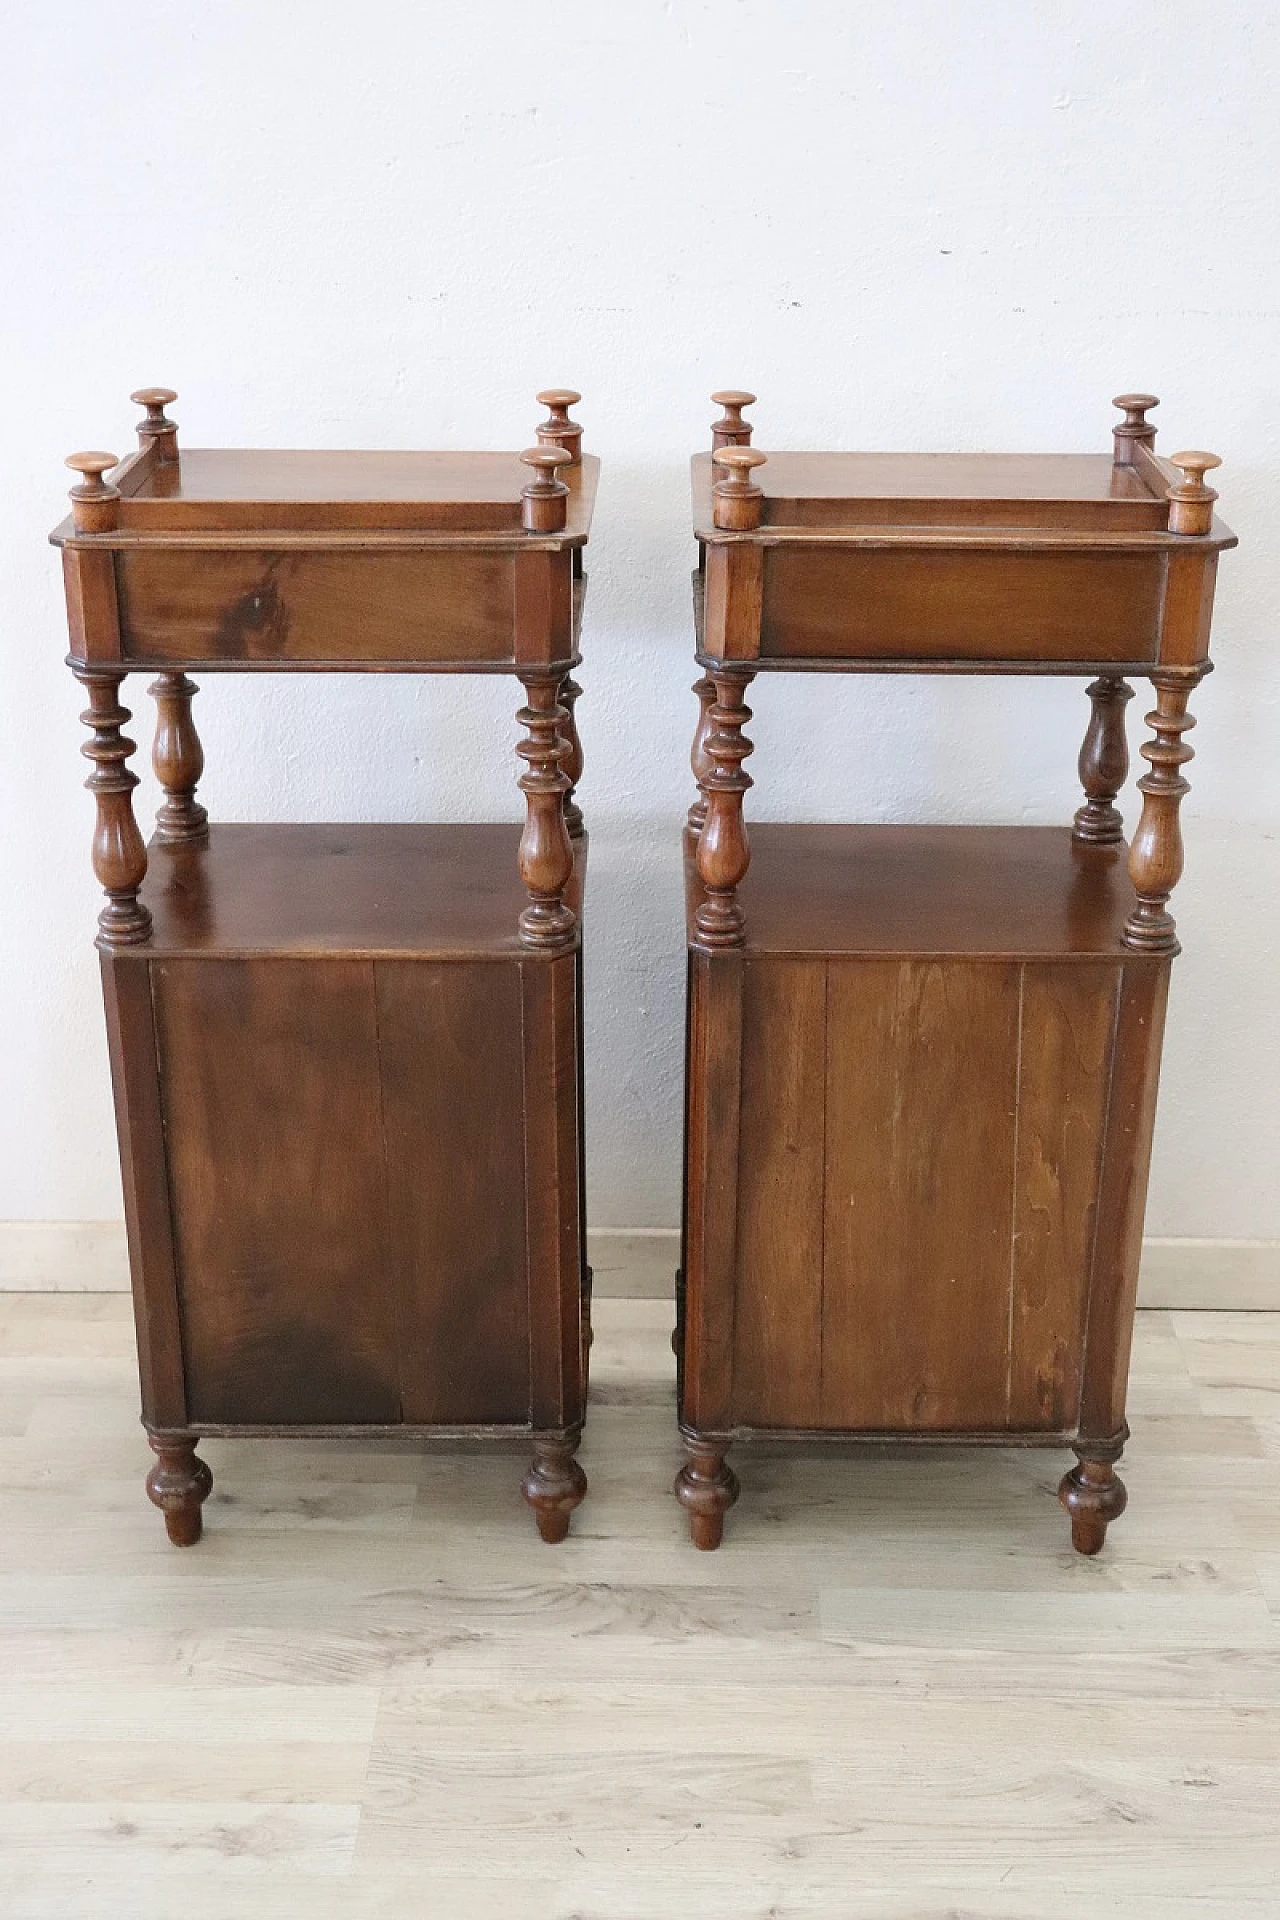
(922, 1061)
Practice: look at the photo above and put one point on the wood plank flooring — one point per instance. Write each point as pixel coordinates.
(895, 1693)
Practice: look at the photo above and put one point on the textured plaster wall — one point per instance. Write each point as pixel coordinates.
(921, 225)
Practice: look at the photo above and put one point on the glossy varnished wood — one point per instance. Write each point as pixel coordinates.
(922, 1061)
(347, 1060)
(380, 888)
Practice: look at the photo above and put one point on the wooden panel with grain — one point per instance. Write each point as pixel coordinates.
(1064, 1078)
(279, 1189)
(456, 1189)
(921, 1076)
(777, 1324)
(297, 608)
(940, 604)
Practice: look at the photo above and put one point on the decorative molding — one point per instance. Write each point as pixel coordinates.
(89, 1256)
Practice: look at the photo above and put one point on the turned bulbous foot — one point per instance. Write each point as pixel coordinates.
(706, 1487)
(553, 1486)
(179, 1484)
(1094, 1495)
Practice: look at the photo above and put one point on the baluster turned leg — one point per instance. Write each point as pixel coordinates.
(546, 852)
(699, 759)
(178, 759)
(724, 853)
(573, 762)
(706, 1487)
(179, 1484)
(1155, 856)
(119, 851)
(1103, 764)
(1093, 1493)
(554, 1485)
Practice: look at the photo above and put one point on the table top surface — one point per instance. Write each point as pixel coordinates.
(362, 891)
(314, 492)
(812, 494)
(905, 892)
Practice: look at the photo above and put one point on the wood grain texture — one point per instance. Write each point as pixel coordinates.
(778, 1297)
(455, 1185)
(298, 608)
(1003, 892)
(1017, 607)
(384, 890)
(278, 1197)
(921, 1097)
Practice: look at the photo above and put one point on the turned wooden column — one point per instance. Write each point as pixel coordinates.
(546, 851)
(1103, 765)
(724, 853)
(573, 762)
(1155, 856)
(178, 760)
(699, 759)
(119, 851)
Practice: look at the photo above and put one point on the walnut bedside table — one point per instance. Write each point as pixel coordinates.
(922, 1060)
(347, 1059)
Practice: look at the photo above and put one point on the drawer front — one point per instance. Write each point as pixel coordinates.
(945, 605)
(298, 609)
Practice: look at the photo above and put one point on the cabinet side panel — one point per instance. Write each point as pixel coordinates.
(272, 1114)
(777, 1324)
(549, 1019)
(921, 1092)
(135, 1081)
(449, 1039)
(1068, 1026)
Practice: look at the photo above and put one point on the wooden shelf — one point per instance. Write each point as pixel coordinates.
(971, 892)
(408, 891)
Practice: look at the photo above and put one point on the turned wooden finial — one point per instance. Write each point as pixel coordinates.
(94, 502)
(736, 500)
(1134, 427)
(546, 497)
(157, 429)
(1191, 504)
(731, 430)
(558, 430)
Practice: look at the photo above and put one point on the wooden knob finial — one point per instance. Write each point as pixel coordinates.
(731, 430)
(1134, 427)
(736, 500)
(1191, 504)
(93, 502)
(546, 497)
(558, 430)
(157, 427)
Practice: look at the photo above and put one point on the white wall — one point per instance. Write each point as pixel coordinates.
(914, 225)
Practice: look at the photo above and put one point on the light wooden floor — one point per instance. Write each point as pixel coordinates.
(372, 1692)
